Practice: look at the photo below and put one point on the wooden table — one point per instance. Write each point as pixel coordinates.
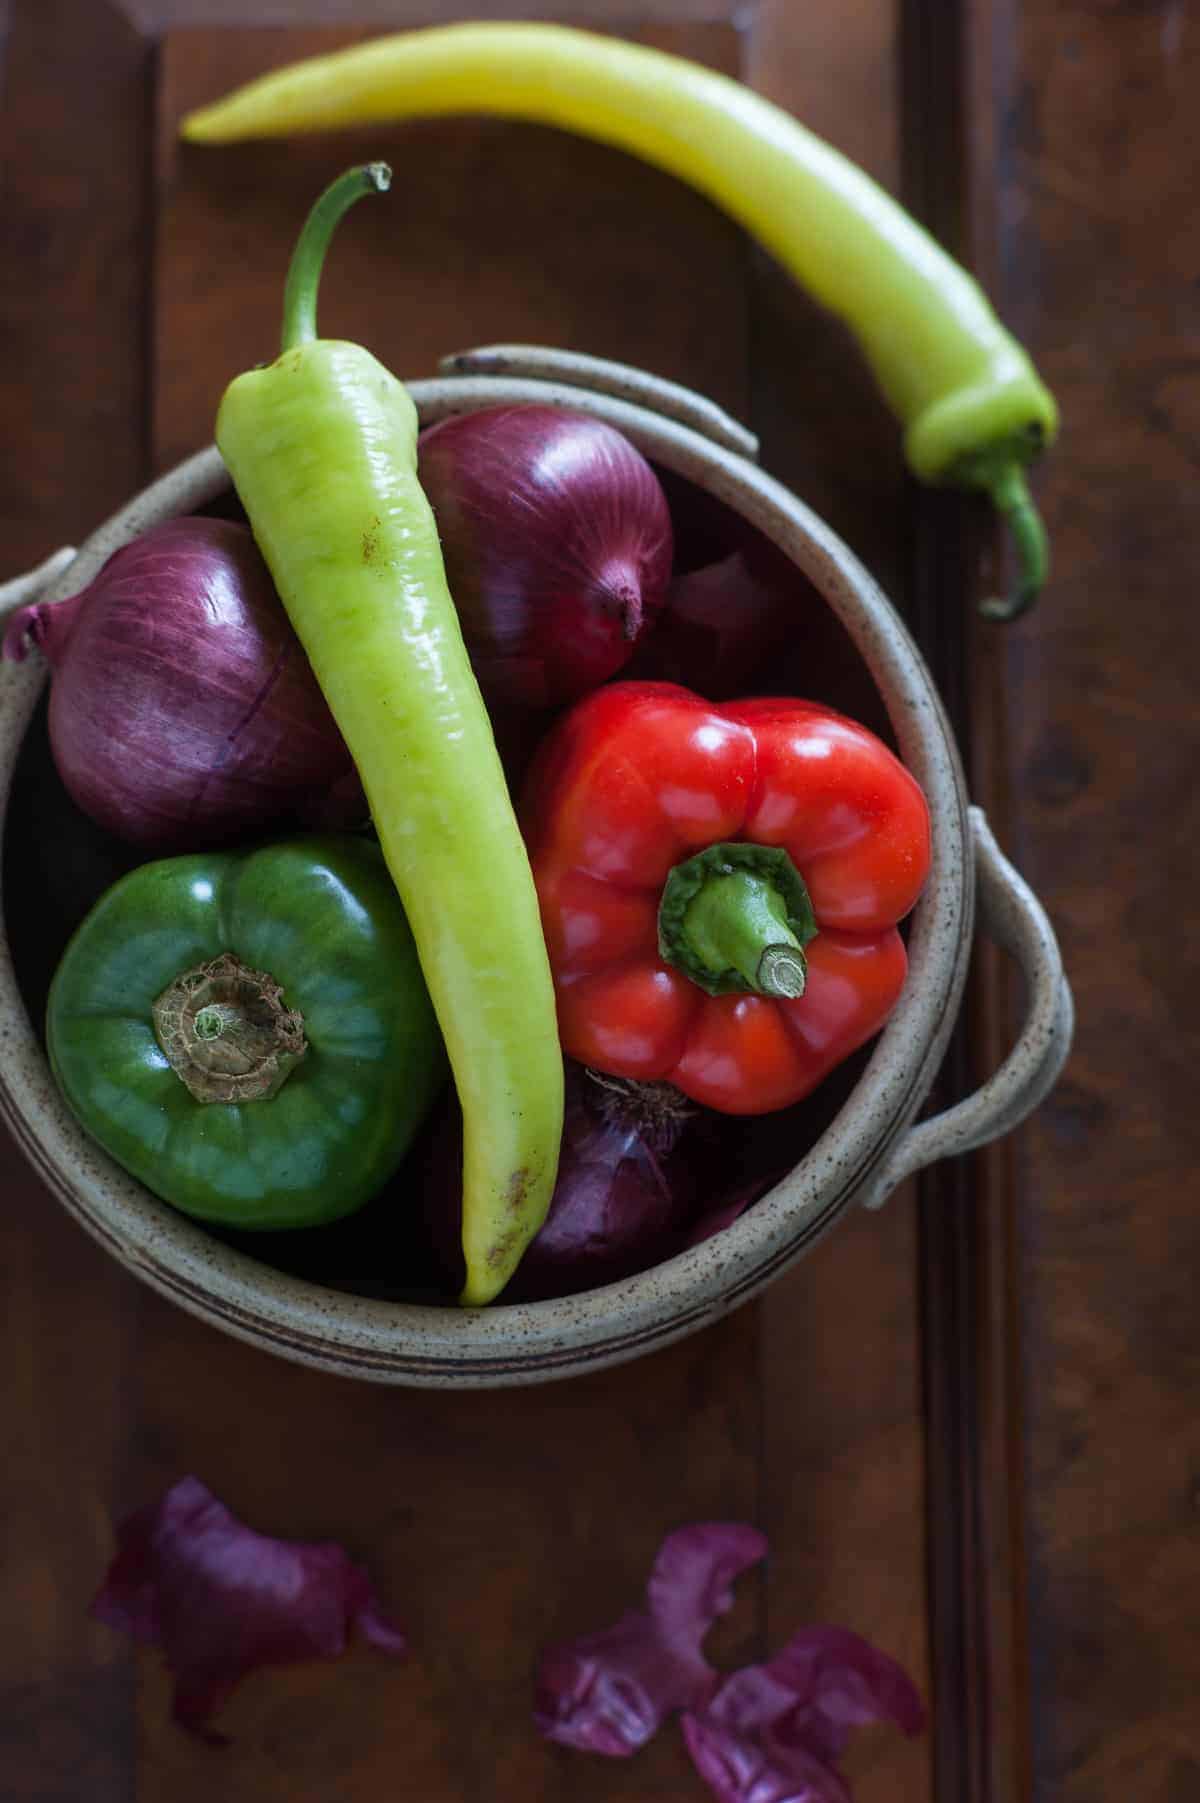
(969, 1425)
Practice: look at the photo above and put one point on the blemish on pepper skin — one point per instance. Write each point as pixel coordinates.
(498, 1254)
(518, 1189)
(515, 1194)
(370, 541)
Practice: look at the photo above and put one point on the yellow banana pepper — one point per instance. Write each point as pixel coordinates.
(973, 408)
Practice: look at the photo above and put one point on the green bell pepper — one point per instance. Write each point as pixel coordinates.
(249, 1033)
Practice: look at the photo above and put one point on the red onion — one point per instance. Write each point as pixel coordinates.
(557, 541)
(182, 707)
(718, 627)
(624, 1192)
(629, 1181)
(704, 529)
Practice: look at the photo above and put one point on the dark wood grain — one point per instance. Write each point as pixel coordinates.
(73, 254)
(492, 230)
(975, 1507)
(536, 1513)
(1021, 1354)
(843, 1474)
(489, 1521)
(1087, 739)
(594, 256)
(493, 1523)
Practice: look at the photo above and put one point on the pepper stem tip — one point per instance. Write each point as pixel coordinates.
(782, 973)
(736, 917)
(1010, 496)
(308, 258)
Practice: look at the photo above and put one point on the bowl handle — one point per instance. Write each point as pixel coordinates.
(539, 363)
(1012, 915)
(23, 590)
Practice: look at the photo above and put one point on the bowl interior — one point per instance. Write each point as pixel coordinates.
(57, 863)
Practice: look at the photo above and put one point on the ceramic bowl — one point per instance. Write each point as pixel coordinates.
(869, 1145)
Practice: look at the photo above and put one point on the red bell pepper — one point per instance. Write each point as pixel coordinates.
(720, 887)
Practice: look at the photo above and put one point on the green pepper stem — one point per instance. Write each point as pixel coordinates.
(1011, 497)
(737, 922)
(736, 917)
(216, 1018)
(226, 1033)
(308, 258)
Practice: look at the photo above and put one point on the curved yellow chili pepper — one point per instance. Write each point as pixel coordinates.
(973, 408)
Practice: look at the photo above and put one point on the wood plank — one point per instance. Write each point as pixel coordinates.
(825, 430)
(887, 1599)
(492, 230)
(490, 1521)
(843, 1459)
(776, 1415)
(72, 244)
(971, 1328)
(1087, 740)
(493, 1523)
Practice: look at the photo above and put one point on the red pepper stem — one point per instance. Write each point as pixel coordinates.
(738, 922)
(308, 258)
(737, 917)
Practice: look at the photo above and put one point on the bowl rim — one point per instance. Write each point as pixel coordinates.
(516, 1343)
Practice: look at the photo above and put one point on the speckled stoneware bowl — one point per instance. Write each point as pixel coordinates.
(871, 1143)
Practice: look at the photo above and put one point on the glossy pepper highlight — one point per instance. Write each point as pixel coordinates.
(973, 408)
(321, 446)
(720, 888)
